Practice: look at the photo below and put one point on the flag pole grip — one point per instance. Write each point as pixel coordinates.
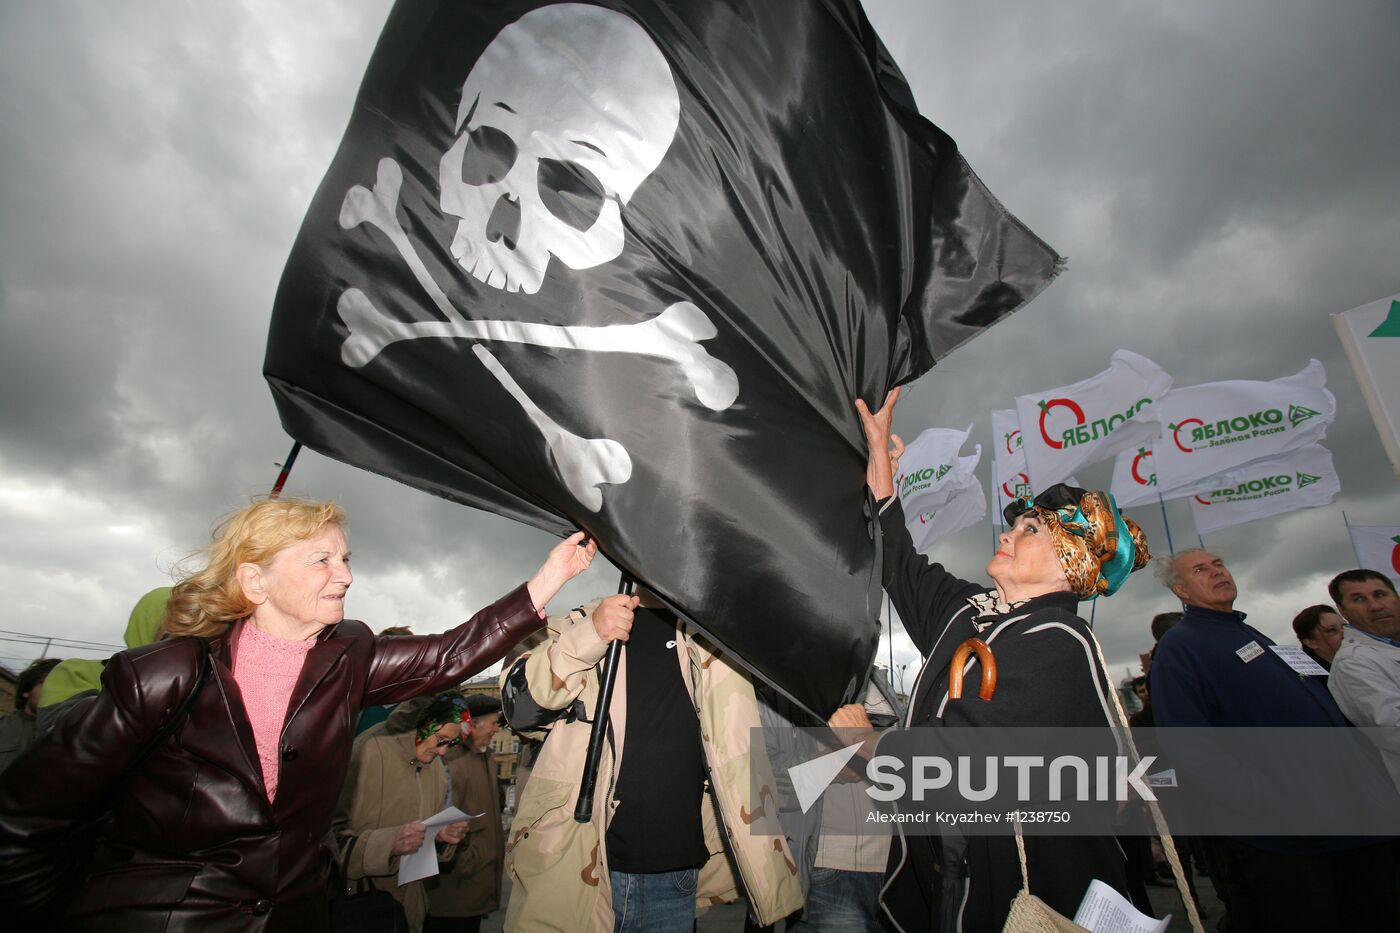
(583, 809)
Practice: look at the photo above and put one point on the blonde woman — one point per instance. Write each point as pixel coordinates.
(221, 767)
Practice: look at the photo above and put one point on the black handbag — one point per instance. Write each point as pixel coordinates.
(359, 907)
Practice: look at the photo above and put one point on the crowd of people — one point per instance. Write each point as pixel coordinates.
(254, 761)
(1210, 668)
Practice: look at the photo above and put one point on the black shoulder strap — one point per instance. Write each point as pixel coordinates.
(188, 704)
(172, 724)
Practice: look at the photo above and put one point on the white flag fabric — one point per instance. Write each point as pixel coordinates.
(938, 488)
(1210, 428)
(1299, 479)
(1378, 548)
(1075, 425)
(966, 507)
(1371, 336)
(1135, 477)
(1010, 478)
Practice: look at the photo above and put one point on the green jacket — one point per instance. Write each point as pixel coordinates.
(76, 675)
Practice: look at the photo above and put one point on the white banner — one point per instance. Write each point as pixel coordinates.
(1371, 336)
(937, 488)
(1218, 426)
(1010, 478)
(1070, 427)
(1135, 477)
(1299, 479)
(1378, 548)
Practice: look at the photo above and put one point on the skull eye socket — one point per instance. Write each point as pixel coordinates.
(571, 193)
(487, 157)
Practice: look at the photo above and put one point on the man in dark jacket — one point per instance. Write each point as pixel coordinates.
(17, 730)
(1212, 669)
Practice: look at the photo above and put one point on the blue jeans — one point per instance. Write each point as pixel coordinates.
(662, 901)
(841, 902)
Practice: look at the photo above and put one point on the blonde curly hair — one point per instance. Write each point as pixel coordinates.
(208, 600)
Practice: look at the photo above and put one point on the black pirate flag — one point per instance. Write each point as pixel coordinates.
(624, 266)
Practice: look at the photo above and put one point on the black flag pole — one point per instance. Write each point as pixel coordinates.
(583, 810)
(286, 471)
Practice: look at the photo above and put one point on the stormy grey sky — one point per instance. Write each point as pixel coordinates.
(1221, 177)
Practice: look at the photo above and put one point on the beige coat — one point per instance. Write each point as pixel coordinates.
(471, 885)
(386, 788)
(558, 867)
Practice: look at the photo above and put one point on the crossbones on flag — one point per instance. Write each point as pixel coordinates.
(624, 267)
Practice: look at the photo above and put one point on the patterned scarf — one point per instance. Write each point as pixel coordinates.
(1096, 544)
(449, 707)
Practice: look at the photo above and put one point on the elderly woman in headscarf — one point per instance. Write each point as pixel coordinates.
(1064, 546)
(397, 780)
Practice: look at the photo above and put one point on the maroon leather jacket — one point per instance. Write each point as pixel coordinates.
(194, 843)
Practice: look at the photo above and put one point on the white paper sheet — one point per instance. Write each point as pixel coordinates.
(1295, 657)
(1104, 910)
(415, 866)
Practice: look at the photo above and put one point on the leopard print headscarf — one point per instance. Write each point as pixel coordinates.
(1097, 545)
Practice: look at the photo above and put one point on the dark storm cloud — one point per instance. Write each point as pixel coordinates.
(1181, 119)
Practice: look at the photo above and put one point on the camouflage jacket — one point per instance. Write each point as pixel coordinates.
(558, 867)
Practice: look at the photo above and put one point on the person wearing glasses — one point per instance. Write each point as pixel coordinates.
(397, 780)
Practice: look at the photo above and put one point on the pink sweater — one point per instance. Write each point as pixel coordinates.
(266, 669)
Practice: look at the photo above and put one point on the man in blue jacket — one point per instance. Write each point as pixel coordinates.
(1212, 669)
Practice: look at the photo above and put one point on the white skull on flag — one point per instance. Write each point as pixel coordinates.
(565, 113)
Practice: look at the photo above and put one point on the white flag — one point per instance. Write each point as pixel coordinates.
(1066, 428)
(937, 488)
(1371, 336)
(1135, 477)
(1010, 477)
(964, 508)
(1218, 426)
(1378, 548)
(1299, 479)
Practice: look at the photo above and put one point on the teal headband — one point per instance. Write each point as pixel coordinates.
(1101, 534)
(1118, 543)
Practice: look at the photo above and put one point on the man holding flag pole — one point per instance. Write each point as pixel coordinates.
(495, 297)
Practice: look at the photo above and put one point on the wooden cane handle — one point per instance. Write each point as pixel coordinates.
(989, 669)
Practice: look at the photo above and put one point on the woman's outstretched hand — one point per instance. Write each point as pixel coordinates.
(566, 560)
(885, 448)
